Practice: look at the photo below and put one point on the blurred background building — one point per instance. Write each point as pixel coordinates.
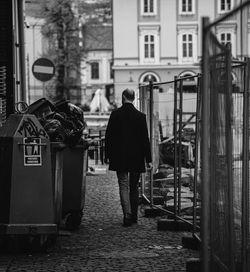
(162, 38)
(97, 72)
(93, 22)
(124, 43)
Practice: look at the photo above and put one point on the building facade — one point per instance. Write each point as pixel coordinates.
(95, 56)
(160, 39)
(96, 66)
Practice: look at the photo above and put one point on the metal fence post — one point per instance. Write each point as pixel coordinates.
(175, 146)
(180, 144)
(245, 175)
(229, 156)
(151, 111)
(197, 138)
(205, 151)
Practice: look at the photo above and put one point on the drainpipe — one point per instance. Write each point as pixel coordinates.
(20, 8)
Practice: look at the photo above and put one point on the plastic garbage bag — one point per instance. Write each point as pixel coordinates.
(63, 121)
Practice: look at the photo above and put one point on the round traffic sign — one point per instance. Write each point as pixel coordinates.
(43, 69)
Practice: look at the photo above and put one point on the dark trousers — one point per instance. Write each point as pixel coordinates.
(129, 192)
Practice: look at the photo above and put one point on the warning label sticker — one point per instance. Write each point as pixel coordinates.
(32, 152)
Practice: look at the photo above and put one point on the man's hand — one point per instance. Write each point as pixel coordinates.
(149, 165)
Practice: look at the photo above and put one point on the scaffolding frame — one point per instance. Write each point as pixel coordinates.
(146, 94)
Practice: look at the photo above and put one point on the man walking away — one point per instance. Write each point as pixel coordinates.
(127, 149)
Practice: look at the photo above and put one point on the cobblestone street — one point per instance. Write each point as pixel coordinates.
(103, 244)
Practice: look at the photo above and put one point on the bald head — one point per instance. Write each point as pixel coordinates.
(128, 95)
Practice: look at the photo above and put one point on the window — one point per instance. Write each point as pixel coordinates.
(148, 7)
(94, 70)
(226, 35)
(189, 85)
(187, 45)
(149, 47)
(149, 77)
(111, 72)
(186, 7)
(225, 38)
(225, 5)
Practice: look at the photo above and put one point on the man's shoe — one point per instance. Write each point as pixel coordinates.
(127, 222)
(134, 220)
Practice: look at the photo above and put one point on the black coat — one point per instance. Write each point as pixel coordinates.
(127, 144)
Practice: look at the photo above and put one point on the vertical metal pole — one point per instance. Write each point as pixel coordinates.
(229, 144)
(28, 79)
(142, 109)
(197, 138)
(175, 146)
(180, 144)
(151, 111)
(243, 30)
(140, 97)
(22, 50)
(143, 98)
(8, 9)
(245, 175)
(205, 149)
(214, 159)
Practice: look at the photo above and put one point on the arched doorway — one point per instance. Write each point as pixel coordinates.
(149, 76)
(189, 84)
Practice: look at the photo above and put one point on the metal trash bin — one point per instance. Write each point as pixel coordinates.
(74, 184)
(26, 194)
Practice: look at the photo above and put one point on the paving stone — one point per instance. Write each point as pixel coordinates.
(102, 244)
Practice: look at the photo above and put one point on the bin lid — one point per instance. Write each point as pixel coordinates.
(23, 125)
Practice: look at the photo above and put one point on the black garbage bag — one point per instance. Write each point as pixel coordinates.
(73, 120)
(72, 113)
(42, 108)
(55, 130)
(63, 121)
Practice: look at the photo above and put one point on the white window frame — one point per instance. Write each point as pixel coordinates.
(188, 42)
(148, 44)
(220, 11)
(151, 31)
(230, 31)
(226, 40)
(193, 33)
(181, 12)
(148, 13)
